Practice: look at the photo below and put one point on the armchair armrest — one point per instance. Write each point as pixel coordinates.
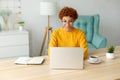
(99, 41)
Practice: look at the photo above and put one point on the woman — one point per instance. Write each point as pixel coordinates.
(67, 35)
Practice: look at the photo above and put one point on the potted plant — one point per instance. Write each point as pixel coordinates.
(110, 53)
(21, 25)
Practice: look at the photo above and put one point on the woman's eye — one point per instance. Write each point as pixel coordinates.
(64, 21)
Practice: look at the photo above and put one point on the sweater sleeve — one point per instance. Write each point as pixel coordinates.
(84, 45)
(53, 41)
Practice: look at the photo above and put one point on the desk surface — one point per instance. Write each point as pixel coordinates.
(107, 70)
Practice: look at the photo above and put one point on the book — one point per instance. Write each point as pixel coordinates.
(30, 60)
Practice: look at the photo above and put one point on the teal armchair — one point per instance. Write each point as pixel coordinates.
(90, 25)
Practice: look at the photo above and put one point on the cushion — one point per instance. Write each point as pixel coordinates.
(91, 46)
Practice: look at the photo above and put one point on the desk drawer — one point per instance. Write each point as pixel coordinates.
(11, 40)
(14, 51)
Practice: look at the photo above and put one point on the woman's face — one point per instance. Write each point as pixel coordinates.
(67, 23)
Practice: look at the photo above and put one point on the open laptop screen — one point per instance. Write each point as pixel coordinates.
(66, 58)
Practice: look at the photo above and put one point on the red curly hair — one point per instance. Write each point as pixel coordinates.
(68, 11)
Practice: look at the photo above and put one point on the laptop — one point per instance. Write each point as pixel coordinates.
(66, 58)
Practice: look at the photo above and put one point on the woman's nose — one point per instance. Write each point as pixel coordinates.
(67, 24)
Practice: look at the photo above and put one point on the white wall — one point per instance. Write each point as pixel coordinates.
(108, 10)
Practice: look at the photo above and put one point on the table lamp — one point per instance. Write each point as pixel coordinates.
(47, 8)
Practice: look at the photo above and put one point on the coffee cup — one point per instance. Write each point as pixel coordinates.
(93, 58)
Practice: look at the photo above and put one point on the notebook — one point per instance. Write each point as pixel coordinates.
(66, 58)
(29, 60)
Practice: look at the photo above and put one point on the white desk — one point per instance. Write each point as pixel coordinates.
(107, 70)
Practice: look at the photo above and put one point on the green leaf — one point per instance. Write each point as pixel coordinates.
(21, 23)
(111, 49)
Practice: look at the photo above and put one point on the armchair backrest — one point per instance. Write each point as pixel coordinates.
(89, 24)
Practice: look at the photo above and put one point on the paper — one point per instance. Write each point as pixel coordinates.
(29, 60)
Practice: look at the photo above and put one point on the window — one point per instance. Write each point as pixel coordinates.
(12, 5)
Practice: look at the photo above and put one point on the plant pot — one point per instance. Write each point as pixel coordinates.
(110, 55)
(20, 28)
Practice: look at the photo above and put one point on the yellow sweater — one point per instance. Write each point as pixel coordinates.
(74, 38)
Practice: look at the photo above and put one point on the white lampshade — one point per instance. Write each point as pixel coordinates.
(47, 8)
